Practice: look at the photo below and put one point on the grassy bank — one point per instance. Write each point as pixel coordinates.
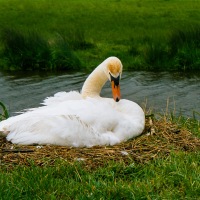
(145, 35)
(176, 177)
(163, 163)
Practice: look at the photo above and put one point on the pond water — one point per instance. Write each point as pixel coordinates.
(179, 92)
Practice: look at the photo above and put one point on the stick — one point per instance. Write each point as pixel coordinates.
(17, 150)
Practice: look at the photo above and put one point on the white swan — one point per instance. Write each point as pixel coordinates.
(80, 119)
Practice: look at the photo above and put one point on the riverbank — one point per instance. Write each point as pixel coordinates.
(64, 35)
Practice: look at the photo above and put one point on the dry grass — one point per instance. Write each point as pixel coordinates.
(159, 138)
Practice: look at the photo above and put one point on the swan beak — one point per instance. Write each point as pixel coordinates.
(115, 88)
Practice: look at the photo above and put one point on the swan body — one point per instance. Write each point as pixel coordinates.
(80, 119)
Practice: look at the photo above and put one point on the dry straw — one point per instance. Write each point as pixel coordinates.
(159, 138)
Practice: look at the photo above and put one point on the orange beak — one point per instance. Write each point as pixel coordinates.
(115, 91)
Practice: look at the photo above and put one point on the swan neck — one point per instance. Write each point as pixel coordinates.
(94, 83)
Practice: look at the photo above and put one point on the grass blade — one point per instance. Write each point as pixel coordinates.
(4, 114)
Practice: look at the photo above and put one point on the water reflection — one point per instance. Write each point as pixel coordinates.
(181, 91)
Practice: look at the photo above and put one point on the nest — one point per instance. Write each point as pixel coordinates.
(159, 138)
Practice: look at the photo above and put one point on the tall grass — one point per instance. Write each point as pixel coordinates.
(185, 48)
(154, 35)
(62, 56)
(25, 51)
(179, 51)
(77, 40)
(30, 51)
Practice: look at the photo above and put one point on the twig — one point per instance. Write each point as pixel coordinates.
(17, 150)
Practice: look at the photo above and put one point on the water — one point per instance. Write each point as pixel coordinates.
(19, 91)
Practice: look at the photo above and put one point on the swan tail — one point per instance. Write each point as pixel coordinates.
(3, 128)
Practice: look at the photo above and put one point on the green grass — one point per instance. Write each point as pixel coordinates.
(191, 124)
(175, 177)
(152, 35)
(29, 51)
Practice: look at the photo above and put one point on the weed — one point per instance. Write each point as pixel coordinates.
(4, 114)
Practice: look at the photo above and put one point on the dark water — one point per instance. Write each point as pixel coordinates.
(181, 91)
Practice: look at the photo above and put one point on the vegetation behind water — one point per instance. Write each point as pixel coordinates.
(145, 35)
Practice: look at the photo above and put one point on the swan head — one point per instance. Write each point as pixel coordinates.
(110, 69)
(113, 70)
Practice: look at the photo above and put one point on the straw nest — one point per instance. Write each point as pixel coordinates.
(159, 138)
